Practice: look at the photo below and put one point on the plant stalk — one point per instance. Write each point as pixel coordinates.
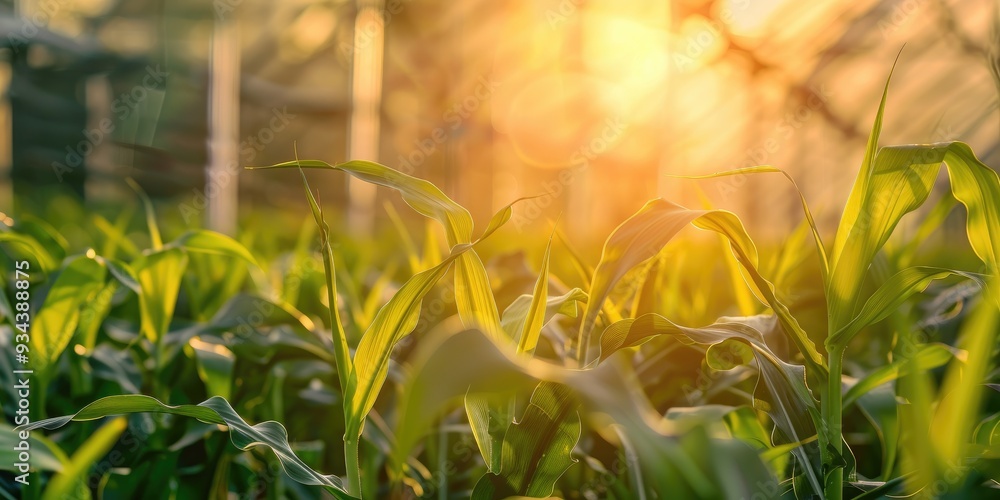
(353, 466)
(344, 367)
(832, 407)
(341, 350)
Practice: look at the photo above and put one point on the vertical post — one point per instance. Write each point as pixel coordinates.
(7, 125)
(6, 143)
(366, 101)
(100, 163)
(222, 173)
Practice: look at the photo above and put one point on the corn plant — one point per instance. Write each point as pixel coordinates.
(548, 377)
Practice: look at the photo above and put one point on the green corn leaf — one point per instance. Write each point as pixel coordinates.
(293, 280)
(935, 218)
(215, 367)
(644, 234)
(535, 318)
(412, 254)
(93, 314)
(500, 218)
(249, 325)
(432, 248)
(636, 240)
(729, 225)
(443, 374)
(113, 235)
(892, 294)
(147, 205)
(781, 390)
(860, 190)
(56, 321)
(31, 249)
(927, 357)
(537, 448)
(584, 272)
(393, 322)
(476, 305)
(160, 275)
(728, 354)
(399, 316)
(66, 483)
(123, 273)
(474, 296)
(566, 304)
(489, 416)
(880, 407)
(386, 280)
(957, 414)
(763, 169)
(214, 243)
(215, 410)
(743, 424)
(900, 180)
(443, 371)
(95, 311)
(45, 454)
(419, 194)
(210, 279)
(46, 235)
(916, 450)
(988, 431)
(6, 310)
(754, 481)
(683, 419)
(345, 365)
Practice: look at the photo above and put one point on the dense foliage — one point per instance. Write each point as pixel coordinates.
(849, 369)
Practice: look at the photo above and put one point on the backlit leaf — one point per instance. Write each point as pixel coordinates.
(215, 410)
(56, 321)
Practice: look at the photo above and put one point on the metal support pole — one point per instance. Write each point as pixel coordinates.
(222, 172)
(366, 101)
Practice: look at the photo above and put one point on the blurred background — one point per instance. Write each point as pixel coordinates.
(593, 104)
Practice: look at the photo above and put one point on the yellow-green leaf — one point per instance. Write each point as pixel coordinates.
(159, 273)
(64, 484)
(419, 194)
(535, 319)
(900, 179)
(393, 322)
(215, 410)
(56, 321)
(644, 234)
(958, 413)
